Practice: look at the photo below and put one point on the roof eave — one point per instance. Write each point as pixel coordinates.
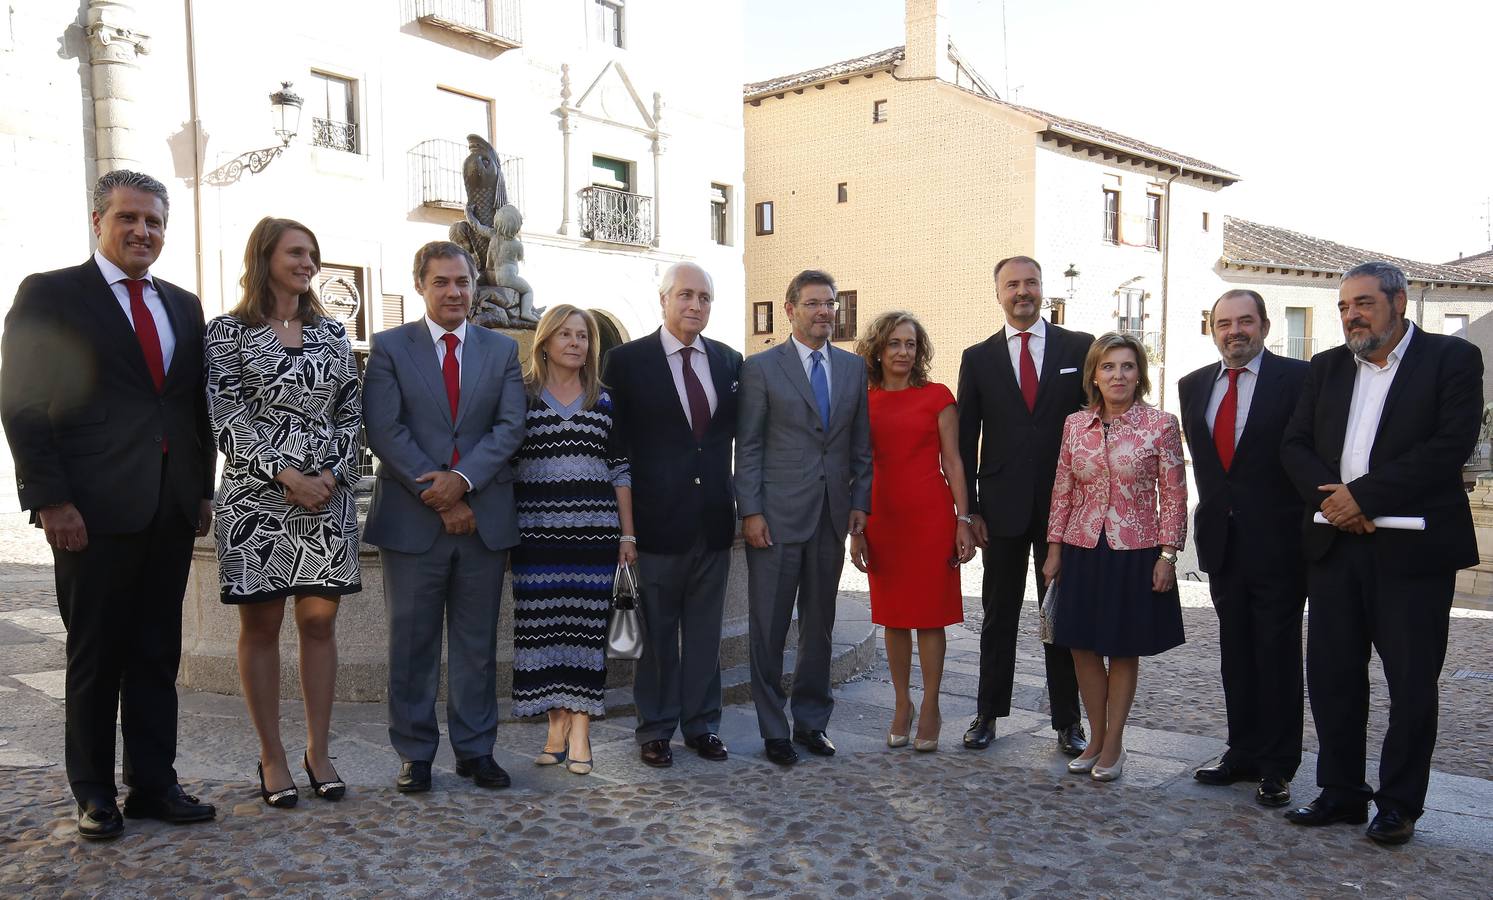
(1295, 267)
(887, 66)
(1081, 137)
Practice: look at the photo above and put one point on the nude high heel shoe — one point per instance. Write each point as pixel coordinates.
(1109, 773)
(895, 740)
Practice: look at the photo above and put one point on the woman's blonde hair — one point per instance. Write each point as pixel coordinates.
(873, 342)
(537, 372)
(257, 305)
(1114, 340)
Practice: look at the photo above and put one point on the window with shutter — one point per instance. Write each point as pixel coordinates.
(392, 310)
(341, 291)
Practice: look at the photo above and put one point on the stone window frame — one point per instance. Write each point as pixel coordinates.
(762, 317)
(766, 218)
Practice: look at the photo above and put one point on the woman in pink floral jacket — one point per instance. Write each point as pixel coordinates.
(1119, 516)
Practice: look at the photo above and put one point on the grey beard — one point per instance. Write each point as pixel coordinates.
(1362, 347)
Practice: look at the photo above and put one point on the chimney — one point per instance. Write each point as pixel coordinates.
(927, 52)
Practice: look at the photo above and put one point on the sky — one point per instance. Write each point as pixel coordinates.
(1369, 123)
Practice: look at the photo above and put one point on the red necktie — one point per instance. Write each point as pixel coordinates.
(451, 372)
(699, 404)
(1028, 372)
(145, 331)
(1223, 420)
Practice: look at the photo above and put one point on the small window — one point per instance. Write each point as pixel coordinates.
(462, 114)
(332, 102)
(720, 218)
(340, 289)
(1058, 312)
(1207, 315)
(1111, 216)
(845, 316)
(608, 17)
(1153, 221)
(878, 112)
(764, 217)
(1205, 221)
(762, 318)
(611, 173)
(1454, 324)
(842, 192)
(391, 311)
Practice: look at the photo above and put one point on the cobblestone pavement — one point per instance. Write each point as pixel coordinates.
(868, 822)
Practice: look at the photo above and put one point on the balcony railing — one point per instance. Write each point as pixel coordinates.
(334, 134)
(436, 180)
(1297, 347)
(616, 217)
(495, 22)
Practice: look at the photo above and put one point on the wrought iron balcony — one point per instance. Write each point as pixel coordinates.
(1296, 347)
(616, 217)
(336, 135)
(435, 175)
(494, 22)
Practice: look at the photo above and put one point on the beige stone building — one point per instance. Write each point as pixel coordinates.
(618, 124)
(905, 176)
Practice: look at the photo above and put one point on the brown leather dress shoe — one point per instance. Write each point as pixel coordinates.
(657, 754)
(709, 746)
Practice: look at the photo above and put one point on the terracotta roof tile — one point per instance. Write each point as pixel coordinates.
(882, 59)
(1250, 243)
(1478, 262)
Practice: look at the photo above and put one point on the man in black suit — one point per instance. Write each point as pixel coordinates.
(104, 404)
(1383, 428)
(1234, 414)
(675, 394)
(1015, 390)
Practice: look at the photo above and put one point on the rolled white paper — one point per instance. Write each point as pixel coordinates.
(1405, 523)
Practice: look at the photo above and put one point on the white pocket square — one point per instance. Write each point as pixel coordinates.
(1067, 371)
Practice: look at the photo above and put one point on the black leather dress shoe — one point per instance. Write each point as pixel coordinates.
(414, 777)
(1325, 812)
(1072, 741)
(484, 771)
(980, 733)
(172, 805)
(1225, 772)
(780, 751)
(1391, 827)
(817, 742)
(709, 746)
(657, 754)
(99, 820)
(1273, 792)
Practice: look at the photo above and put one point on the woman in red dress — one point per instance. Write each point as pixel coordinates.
(918, 532)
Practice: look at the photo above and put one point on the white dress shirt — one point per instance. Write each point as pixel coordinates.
(116, 278)
(698, 361)
(1244, 387)
(1370, 388)
(436, 333)
(803, 357)
(1036, 344)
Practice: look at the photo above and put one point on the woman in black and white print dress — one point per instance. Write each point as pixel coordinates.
(283, 394)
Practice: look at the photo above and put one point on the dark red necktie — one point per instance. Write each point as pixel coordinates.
(145, 331)
(451, 373)
(1223, 420)
(699, 404)
(1028, 372)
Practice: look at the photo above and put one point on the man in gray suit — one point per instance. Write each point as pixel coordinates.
(443, 403)
(803, 478)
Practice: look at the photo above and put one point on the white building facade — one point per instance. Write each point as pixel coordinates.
(619, 125)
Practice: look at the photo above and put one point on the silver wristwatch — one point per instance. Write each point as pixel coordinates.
(1170, 556)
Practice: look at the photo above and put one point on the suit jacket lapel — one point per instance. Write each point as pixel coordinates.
(1339, 384)
(719, 376)
(793, 370)
(659, 372)
(423, 356)
(1261, 402)
(1051, 361)
(1408, 366)
(474, 359)
(1005, 375)
(1196, 414)
(842, 391)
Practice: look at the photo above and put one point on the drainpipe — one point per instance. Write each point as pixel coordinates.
(195, 124)
(1166, 268)
(1420, 306)
(113, 48)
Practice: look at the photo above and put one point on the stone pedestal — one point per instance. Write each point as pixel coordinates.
(209, 660)
(1478, 580)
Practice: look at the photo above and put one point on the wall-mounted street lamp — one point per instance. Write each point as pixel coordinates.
(1058, 306)
(285, 121)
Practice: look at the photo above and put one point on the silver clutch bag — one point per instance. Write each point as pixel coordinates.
(1046, 612)
(625, 628)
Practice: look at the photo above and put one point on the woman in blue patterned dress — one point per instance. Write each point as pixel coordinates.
(574, 501)
(282, 389)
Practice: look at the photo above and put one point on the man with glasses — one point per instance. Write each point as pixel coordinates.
(803, 479)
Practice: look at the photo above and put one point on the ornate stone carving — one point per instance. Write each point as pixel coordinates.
(489, 231)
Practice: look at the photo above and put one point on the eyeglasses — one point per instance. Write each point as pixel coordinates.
(816, 305)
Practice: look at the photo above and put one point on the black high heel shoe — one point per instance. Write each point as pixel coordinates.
(335, 789)
(279, 799)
